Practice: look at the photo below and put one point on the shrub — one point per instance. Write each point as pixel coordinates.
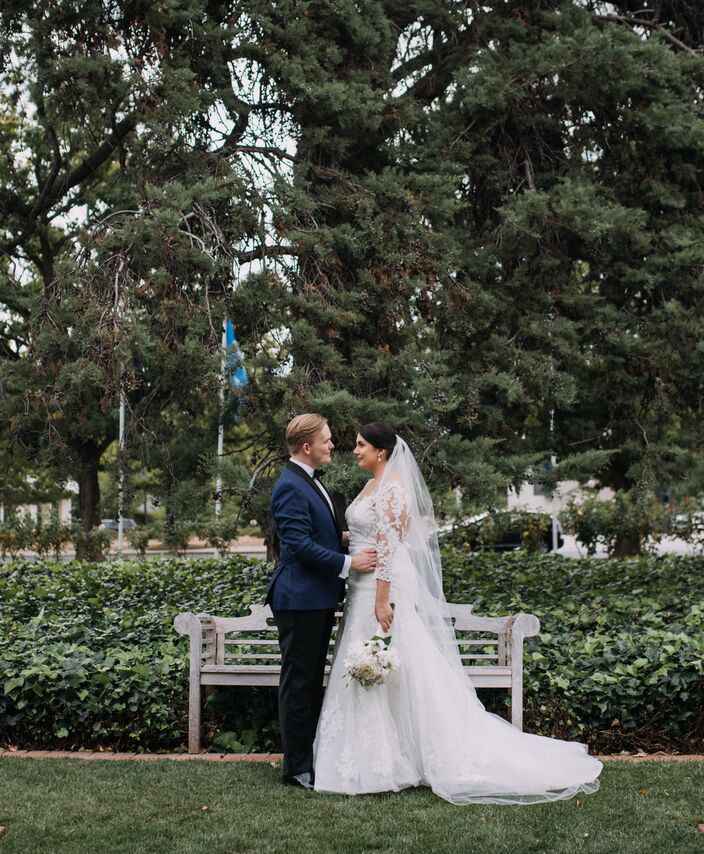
(88, 653)
(50, 536)
(15, 535)
(176, 534)
(620, 658)
(90, 545)
(219, 532)
(22, 532)
(687, 522)
(139, 537)
(641, 521)
(531, 531)
(89, 657)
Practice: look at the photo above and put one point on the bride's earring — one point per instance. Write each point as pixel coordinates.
(378, 457)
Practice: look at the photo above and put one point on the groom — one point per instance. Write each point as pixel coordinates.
(306, 587)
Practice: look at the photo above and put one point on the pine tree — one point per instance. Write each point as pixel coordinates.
(364, 227)
(580, 297)
(120, 222)
(473, 221)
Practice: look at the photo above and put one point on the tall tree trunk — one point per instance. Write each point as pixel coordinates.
(88, 546)
(627, 545)
(89, 488)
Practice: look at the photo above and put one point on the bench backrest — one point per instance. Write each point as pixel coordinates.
(253, 640)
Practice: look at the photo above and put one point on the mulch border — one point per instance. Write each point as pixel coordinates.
(271, 758)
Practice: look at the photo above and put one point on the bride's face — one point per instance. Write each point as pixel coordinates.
(365, 454)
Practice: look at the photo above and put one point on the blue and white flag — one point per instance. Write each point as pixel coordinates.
(234, 360)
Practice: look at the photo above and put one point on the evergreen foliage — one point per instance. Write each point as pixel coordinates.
(480, 222)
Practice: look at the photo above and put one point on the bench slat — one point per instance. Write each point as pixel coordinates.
(274, 642)
(272, 656)
(252, 642)
(244, 668)
(477, 643)
(482, 677)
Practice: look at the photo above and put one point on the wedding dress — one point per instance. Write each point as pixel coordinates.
(424, 726)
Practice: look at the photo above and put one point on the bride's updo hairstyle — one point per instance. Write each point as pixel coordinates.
(380, 436)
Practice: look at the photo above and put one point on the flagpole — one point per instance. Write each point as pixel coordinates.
(221, 421)
(121, 491)
(121, 441)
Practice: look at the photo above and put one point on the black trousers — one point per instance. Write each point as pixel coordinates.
(303, 637)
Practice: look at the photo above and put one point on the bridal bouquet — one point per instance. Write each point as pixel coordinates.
(370, 661)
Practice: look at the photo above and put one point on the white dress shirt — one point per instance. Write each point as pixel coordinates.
(309, 470)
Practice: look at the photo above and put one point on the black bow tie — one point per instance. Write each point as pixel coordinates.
(318, 474)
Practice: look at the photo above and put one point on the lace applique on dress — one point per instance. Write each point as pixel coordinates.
(392, 520)
(346, 765)
(331, 723)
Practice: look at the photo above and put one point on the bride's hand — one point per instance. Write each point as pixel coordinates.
(384, 614)
(345, 538)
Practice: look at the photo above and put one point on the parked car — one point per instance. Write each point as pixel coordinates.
(681, 521)
(113, 524)
(501, 531)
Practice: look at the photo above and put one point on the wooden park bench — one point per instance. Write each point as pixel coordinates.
(245, 651)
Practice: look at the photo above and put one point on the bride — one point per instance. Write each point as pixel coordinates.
(423, 726)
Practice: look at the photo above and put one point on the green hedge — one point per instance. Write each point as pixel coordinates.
(88, 653)
(620, 657)
(89, 657)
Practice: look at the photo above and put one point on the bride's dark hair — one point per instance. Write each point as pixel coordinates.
(380, 435)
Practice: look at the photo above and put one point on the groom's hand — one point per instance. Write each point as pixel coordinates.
(364, 561)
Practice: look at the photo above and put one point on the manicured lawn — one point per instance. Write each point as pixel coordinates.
(76, 807)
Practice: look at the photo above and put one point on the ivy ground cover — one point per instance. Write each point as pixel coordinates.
(89, 657)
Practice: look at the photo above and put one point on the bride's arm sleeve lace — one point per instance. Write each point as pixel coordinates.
(391, 527)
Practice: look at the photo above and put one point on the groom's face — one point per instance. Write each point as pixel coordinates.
(320, 448)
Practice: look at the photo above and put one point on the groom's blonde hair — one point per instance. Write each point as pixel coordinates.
(302, 429)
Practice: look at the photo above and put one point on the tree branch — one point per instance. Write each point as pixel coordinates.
(53, 174)
(269, 150)
(447, 57)
(56, 187)
(415, 64)
(266, 252)
(95, 161)
(650, 25)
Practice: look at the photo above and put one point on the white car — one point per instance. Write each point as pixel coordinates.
(113, 524)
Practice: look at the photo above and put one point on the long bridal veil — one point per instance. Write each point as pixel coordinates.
(420, 575)
(466, 754)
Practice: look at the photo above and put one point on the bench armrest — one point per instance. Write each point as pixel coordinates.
(193, 626)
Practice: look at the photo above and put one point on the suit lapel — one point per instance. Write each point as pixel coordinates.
(297, 470)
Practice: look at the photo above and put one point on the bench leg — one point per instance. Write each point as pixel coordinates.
(194, 716)
(516, 712)
(517, 701)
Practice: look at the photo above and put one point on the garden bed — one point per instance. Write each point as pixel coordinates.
(89, 657)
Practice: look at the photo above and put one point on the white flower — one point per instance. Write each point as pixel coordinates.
(369, 662)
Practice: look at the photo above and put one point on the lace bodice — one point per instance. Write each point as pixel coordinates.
(379, 519)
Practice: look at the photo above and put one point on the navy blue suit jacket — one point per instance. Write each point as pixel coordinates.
(311, 554)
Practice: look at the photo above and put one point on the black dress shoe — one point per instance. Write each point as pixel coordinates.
(304, 780)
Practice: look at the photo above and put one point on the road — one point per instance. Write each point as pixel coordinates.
(669, 545)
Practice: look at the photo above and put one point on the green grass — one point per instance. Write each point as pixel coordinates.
(79, 807)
